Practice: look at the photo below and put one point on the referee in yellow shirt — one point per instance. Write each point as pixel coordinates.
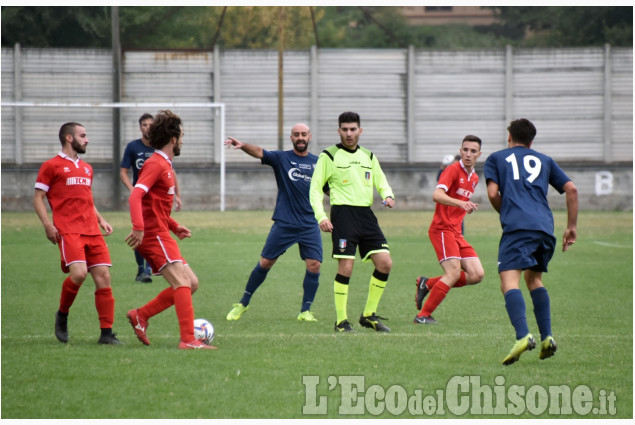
(351, 173)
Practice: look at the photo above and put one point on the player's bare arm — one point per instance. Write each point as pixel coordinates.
(103, 223)
(571, 232)
(494, 196)
(125, 179)
(249, 149)
(439, 196)
(38, 203)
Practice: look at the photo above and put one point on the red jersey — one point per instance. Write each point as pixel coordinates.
(458, 184)
(152, 197)
(67, 184)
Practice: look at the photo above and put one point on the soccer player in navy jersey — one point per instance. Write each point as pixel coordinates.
(134, 157)
(518, 179)
(293, 220)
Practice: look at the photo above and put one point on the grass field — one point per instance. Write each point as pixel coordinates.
(267, 364)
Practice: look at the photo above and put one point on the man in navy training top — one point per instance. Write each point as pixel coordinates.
(134, 157)
(293, 219)
(518, 180)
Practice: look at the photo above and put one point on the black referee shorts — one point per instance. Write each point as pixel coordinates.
(356, 227)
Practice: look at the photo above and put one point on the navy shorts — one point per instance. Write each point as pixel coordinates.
(525, 249)
(356, 227)
(283, 235)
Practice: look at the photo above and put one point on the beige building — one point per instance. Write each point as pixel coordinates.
(441, 15)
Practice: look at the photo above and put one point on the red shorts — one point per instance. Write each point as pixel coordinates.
(76, 248)
(160, 250)
(448, 244)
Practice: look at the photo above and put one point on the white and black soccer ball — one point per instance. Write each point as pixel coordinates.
(204, 331)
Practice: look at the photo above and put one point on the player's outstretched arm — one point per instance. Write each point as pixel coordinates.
(252, 150)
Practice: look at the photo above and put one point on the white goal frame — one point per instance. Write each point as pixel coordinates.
(162, 105)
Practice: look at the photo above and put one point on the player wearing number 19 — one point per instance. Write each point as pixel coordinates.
(518, 179)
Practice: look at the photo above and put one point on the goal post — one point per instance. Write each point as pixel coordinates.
(217, 108)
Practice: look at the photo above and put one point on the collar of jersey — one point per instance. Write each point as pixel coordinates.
(341, 146)
(63, 155)
(163, 154)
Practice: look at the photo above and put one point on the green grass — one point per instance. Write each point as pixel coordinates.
(258, 370)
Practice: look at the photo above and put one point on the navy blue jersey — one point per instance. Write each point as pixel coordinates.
(293, 176)
(134, 157)
(523, 177)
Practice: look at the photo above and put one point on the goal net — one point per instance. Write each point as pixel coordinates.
(29, 128)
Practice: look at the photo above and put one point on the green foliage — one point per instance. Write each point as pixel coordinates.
(257, 27)
(69, 26)
(258, 368)
(565, 26)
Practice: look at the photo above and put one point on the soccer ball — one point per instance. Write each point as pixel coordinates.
(203, 331)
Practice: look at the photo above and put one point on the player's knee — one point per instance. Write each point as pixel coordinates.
(477, 277)
(384, 265)
(78, 275)
(193, 282)
(313, 266)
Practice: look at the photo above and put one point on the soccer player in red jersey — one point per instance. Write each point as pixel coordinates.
(461, 266)
(150, 208)
(65, 181)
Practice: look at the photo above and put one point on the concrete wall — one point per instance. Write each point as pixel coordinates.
(253, 186)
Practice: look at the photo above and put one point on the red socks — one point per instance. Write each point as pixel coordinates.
(433, 281)
(437, 294)
(69, 292)
(184, 312)
(161, 302)
(181, 298)
(105, 304)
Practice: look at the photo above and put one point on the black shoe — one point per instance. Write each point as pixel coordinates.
(422, 291)
(143, 277)
(61, 328)
(344, 326)
(373, 322)
(108, 339)
(429, 320)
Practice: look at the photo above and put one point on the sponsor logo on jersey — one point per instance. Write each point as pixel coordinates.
(295, 175)
(67, 170)
(139, 163)
(463, 192)
(82, 181)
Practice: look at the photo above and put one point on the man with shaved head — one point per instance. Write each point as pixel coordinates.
(293, 219)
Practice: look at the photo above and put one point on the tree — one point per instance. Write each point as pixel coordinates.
(565, 26)
(56, 26)
(256, 27)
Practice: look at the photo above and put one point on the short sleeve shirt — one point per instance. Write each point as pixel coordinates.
(68, 187)
(523, 177)
(293, 177)
(135, 156)
(157, 180)
(458, 184)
